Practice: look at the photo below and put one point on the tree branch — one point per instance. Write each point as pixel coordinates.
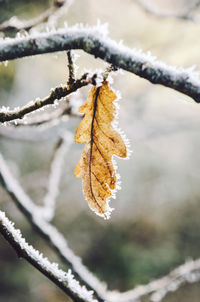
(71, 68)
(46, 117)
(57, 162)
(94, 42)
(46, 131)
(45, 126)
(63, 280)
(188, 15)
(156, 290)
(56, 94)
(14, 24)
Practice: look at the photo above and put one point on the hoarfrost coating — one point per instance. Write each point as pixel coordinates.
(42, 261)
(94, 40)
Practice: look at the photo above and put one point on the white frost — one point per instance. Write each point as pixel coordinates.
(53, 268)
(100, 31)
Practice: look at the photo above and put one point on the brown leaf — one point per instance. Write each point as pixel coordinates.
(102, 142)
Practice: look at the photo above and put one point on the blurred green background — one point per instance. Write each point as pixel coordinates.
(155, 225)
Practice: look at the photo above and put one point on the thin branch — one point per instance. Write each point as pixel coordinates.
(40, 127)
(158, 289)
(108, 70)
(188, 15)
(62, 11)
(93, 41)
(56, 94)
(46, 131)
(65, 281)
(14, 24)
(57, 162)
(35, 216)
(71, 68)
(45, 118)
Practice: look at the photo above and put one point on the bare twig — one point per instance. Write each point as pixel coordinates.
(50, 15)
(65, 281)
(56, 94)
(91, 41)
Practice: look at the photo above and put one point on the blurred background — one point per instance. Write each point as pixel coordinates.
(155, 226)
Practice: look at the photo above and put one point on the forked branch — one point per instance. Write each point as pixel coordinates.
(56, 94)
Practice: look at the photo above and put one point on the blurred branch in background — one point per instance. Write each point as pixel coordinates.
(188, 14)
(156, 290)
(57, 162)
(46, 131)
(50, 16)
(95, 42)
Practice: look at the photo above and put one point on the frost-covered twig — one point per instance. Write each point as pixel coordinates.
(39, 128)
(48, 231)
(14, 24)
(56, 94)
(55, 174)
(93, 41)
(64, 280)
(158, 289)
(44, 118)
(70, 67)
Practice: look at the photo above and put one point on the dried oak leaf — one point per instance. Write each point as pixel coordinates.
(102, 142)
